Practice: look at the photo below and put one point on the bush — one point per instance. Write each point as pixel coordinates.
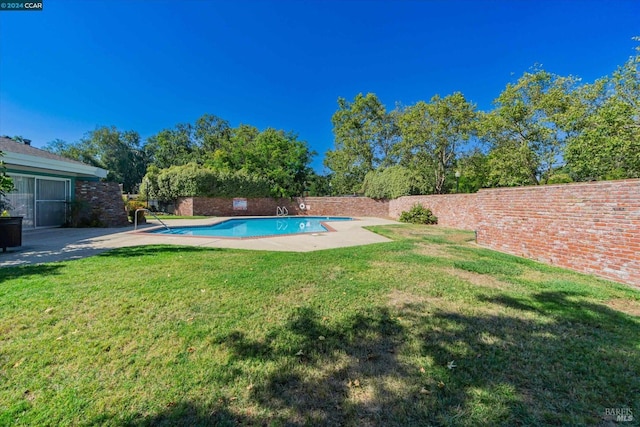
(418, 214)
(192, 180)
(132, 206)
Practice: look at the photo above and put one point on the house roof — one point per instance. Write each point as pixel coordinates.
(24, 156)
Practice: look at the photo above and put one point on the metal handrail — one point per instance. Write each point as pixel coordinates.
(281, 211)
(135, 219)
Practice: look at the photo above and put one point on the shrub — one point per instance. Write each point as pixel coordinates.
(192, 180)
(418, 214)
(132, 206)
(559, 178)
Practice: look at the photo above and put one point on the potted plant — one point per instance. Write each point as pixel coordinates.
(10, 226)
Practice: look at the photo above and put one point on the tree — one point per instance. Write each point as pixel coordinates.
(275, 155)
(6, 185)
(189, 143)
(119, 152)
(231, 155)
(282, 159)
(364, 137)
(433, 134)
(529, 127)
(319, 185)
(76, 151)
(391, 183)
(172, 147)
(608, 146)
(473, 169)
(211, 133)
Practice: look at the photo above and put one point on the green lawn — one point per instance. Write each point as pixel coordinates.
(426, 330)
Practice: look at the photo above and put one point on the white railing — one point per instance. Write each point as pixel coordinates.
(281, 211)
(135, 219)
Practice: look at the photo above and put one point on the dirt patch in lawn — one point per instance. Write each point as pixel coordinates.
(401, 299)
(485, 280)
(435, 251)
(626, 306)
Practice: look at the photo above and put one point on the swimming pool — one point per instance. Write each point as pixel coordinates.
(256, 227)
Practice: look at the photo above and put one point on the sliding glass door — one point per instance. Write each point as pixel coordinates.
(41, 201)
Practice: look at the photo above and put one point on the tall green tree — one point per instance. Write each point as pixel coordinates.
(282, 158)
(275, 155)
(608, 145)
(364, 137)
(119, 152)
(528, 128)
(473, 170)
(433, 135)
(172, 147)
(392, 182)
(232, 154)
(188, 143)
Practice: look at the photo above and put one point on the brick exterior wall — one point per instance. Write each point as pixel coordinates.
(322, 206)
(589, 227)
(105, 204)
(346, 206)
(453, 210)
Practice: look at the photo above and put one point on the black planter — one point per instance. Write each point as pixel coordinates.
(10, 232)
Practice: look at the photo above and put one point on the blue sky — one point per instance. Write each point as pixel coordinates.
(147, 65)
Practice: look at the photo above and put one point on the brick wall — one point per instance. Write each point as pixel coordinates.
(588, 227)
(329, 206)
(105, 206)
(347, 206)
(453, 210)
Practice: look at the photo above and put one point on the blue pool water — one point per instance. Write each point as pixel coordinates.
(256, 227)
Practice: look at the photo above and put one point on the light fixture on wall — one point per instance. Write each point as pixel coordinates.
(457, 174)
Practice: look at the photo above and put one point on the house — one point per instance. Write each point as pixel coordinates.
(45, 182)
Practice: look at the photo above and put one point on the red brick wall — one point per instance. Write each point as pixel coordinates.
(105, 203)
(347, 206)
(329, 206)
(588, 227)
(453, 210)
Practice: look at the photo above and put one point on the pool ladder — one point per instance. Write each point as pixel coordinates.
(135, 219)
(281, 211)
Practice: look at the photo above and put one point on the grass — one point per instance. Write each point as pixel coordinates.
(426, 330)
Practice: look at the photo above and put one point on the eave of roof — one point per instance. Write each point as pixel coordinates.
(26, 160)
(25, 156)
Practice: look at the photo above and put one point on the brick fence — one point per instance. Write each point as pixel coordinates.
(453, 210)
(588, 227)
(323, 206)
(105, 206)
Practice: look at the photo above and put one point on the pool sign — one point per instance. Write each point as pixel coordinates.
(239, 204)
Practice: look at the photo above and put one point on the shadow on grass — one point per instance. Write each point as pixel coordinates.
(181, 414)
(565, 360)
(541, 360)
(24, 271)
(328, 374)
(154, 250)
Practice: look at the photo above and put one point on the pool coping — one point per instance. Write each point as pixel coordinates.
(329, 229)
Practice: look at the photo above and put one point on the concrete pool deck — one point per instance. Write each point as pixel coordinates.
(62, 244)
